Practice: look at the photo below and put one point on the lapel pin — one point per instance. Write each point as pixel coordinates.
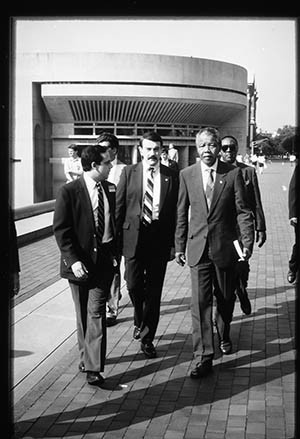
(221, 181)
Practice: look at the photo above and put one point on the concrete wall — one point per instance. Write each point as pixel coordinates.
(28, 112)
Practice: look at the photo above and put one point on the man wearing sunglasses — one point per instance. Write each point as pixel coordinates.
(229, 151)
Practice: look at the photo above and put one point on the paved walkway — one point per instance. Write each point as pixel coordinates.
(251, 393)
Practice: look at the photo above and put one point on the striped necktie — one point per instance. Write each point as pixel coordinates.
(100, 214)
(209, 187)
(148, 199)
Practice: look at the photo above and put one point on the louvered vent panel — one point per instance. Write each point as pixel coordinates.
(149, 111)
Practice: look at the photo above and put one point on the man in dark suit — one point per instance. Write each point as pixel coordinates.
(166, 161)
(145, 216)
(211, 203)
(293, 218)
(229, 152)
(13, 258)
(84, 228)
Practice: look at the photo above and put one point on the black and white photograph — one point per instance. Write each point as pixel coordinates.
(153, 227)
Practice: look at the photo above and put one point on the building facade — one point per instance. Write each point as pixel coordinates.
(64, 98)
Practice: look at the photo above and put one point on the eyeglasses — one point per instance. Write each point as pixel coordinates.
(230, 148)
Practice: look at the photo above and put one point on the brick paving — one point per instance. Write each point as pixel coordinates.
(250, 395)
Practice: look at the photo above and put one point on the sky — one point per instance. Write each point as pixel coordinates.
(265, 47)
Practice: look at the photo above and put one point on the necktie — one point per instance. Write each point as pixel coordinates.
(148, 199)
(209, 187)
(100, 226)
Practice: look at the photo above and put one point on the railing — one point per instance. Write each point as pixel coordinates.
(35, 233)
(33, 210)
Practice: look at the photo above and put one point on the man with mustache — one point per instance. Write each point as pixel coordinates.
(145, 217)
(211, 203)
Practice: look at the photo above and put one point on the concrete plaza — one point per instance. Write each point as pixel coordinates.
(250, 395)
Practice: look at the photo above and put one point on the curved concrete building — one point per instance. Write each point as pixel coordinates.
(63, 98)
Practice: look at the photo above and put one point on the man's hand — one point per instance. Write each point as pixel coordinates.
(246, 253)
(79, 270)
(180, 258)
(261, 237)
(293, 222)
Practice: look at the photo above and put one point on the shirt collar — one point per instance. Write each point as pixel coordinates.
(146, 167)
(90, 182)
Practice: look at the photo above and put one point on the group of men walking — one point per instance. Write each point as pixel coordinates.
(151, 215)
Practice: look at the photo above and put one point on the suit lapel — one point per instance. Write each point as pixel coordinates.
(111, 203)
(219, 185)
(164, 186)
(198, 179)
(86, 201)
(137, 180)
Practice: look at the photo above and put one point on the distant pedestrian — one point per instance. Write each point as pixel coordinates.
(253, 160)
(173, 153)
(72, 164)
(166, 161)
(261, 160)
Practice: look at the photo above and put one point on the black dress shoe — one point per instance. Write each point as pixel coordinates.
(244, 300)
(81, 366)
(148, 349)
(201, 370)
(111, 320)
(226, 347)
(94, 379)
(136, 333)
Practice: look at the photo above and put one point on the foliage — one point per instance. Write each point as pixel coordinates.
(279, 144)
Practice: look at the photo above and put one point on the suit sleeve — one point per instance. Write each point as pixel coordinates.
(292, 196)
(245, 217)
(14, 262)
(260, 222)
(183, 204)
(121, 200)
(63, 227)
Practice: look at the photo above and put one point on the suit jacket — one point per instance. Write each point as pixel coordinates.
(14, 261)
(292, 196)
(196, 225)
(129, 202)
(253, 195)
(74, 227)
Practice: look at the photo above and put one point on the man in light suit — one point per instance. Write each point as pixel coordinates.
(111, 142)
(229, 152)
(85, 231)
(147, 234)
(211, 203)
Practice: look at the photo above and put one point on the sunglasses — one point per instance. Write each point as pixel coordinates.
(230, 148)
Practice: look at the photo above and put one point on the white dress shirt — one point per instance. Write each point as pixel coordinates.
(93, 193)
(156, 188)
(115, 172)
(205, 173)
